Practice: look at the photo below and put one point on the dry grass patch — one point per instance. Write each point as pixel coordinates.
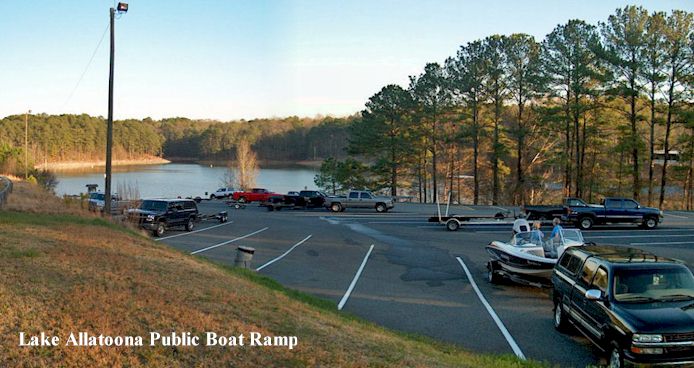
(27, 197)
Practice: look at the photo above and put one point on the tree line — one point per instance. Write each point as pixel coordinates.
(510, 119)
(58, 138)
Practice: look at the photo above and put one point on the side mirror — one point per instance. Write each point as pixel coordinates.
(593, 294)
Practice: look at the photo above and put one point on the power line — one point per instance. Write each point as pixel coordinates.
(86, 68)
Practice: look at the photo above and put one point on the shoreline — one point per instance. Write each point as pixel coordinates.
(76, 165)
(268, 164)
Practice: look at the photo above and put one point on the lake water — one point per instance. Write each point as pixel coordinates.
(172, 180)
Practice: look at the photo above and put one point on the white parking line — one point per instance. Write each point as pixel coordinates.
(193, 232)
(229, 241)
(663, 243)
(639, 236)
(356, 277)
(495, 317)
(677, 216)
(396, 222)
(284, 254)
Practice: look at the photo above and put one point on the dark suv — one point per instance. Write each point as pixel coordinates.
(632, 304)
(157, 215)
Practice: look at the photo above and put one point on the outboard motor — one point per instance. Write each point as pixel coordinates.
(520, 225)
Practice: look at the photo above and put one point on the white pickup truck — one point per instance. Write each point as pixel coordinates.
(359, 199)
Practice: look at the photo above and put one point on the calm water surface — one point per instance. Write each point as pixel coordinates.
(172, 180)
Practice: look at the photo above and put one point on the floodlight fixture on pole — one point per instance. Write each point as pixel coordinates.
(121, 8)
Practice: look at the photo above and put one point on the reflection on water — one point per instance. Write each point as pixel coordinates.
(172, 180)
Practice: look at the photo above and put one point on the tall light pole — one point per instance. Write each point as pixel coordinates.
(121, 8)
(26, 144)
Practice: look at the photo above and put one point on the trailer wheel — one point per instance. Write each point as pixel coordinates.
(492, 276)
(452, 225)
(336, 207)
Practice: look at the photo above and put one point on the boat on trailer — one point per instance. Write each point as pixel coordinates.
(528, 258)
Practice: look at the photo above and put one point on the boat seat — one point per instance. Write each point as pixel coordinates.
(550, 248)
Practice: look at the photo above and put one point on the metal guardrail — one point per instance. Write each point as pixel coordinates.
(5, 190)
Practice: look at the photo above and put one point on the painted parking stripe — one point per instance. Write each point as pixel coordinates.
(229, 241)
(354, 281)
(396, 222)
(639, 236)
(285, 253)
(495, 317)
(193, 232)
(663, 243)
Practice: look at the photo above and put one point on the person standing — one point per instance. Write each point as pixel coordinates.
(556, 231)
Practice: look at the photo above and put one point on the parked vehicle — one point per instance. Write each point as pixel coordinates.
(548, 212)
(255, 195)
(359, 199)
(96, 202)
(613, 211)
(158, 215)
(528, 257)
(303, 199)
(632, 304)
(222, 193)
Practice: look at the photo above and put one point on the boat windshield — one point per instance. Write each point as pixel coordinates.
(528, 238)
(639, 285)
(573, 235)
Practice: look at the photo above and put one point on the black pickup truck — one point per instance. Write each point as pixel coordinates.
(613, 211)
(549, 212)
(633, 305)
(304, 199)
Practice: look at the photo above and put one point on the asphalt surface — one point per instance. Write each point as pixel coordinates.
(413, 281)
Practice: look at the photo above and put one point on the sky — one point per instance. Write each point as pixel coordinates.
(238, 59)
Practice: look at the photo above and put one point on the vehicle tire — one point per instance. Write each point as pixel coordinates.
(242, 200)
(560, 322)
(190, 225)
(492, 276)
(380, 207)
(616, 358)
(650, 222)
(336, 207)
(212, 196)
(585, 223)
(160, 230)
(452, 225)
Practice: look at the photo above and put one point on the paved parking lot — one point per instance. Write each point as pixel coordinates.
(413, 279)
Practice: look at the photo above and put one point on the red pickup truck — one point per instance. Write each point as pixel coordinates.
(255, 195)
